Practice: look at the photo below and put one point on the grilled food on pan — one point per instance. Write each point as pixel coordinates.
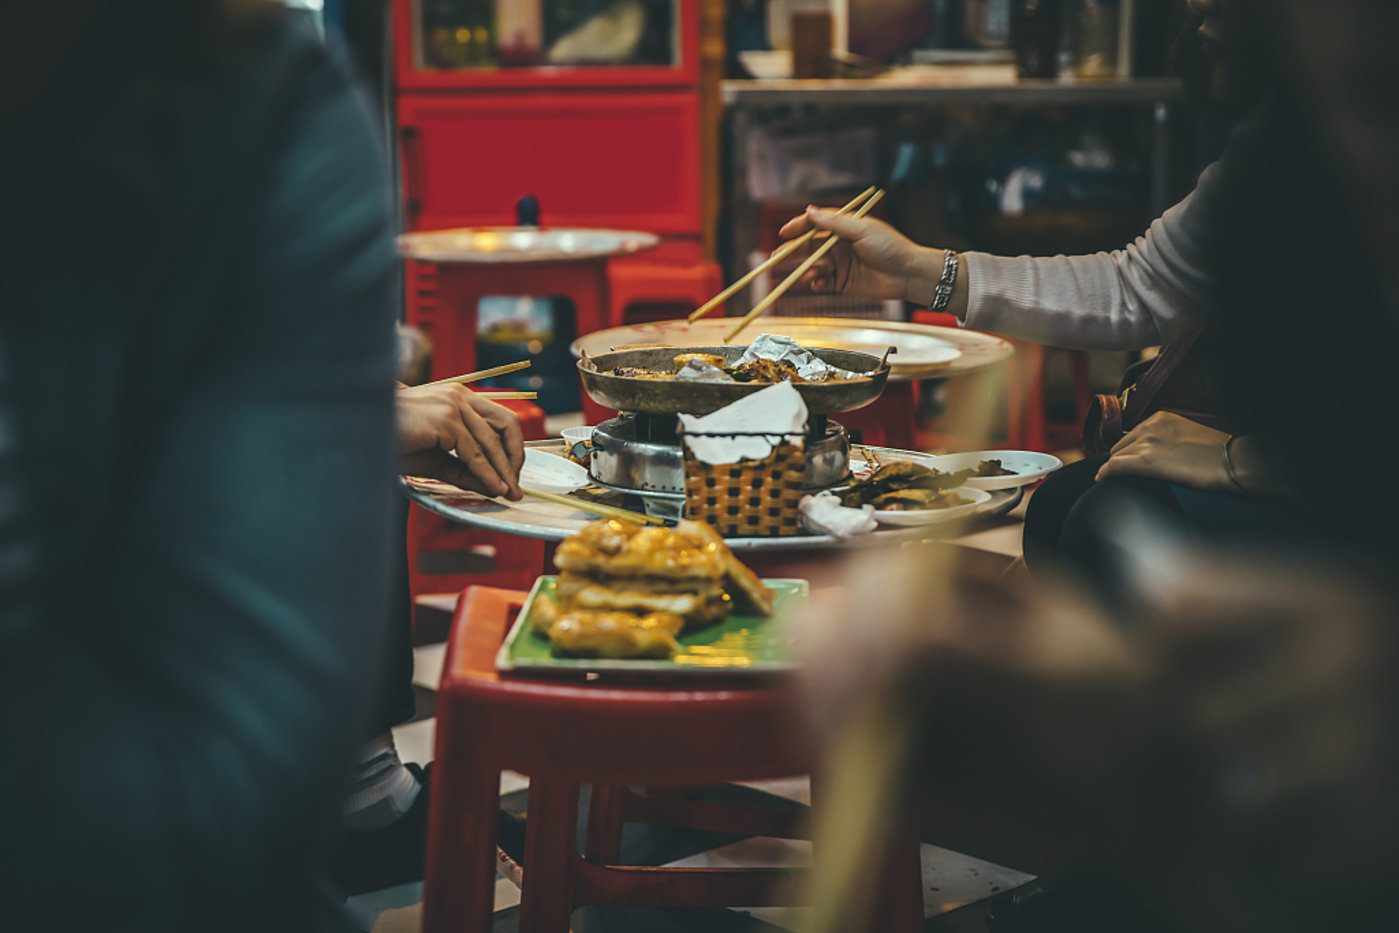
(713, 359)
(621, 586)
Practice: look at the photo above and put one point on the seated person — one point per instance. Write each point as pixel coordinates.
(450, 433)
(1204, 458)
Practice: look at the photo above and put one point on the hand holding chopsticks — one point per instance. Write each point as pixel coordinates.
(798, 272)
(781, 253)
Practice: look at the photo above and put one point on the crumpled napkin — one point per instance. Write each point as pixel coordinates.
(765, 418)
(773, 347)
(823, 514)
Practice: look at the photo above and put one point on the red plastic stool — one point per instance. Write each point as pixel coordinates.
(444, 557)
(565, 734)
(450, 320)
(689, 284)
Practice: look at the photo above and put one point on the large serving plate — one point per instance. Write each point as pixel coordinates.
(922, 350)
(741, 644)
(670, 396)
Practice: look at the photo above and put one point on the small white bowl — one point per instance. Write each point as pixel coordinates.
(1026, 466)
(581, 433)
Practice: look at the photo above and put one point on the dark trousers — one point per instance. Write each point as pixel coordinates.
(395, 701)
(1069, 521)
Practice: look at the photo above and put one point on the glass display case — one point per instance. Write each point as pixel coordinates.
(530, 43)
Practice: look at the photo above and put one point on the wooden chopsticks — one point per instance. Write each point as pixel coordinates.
(486, 374)
(798, 272)
(596, 508)
(781, 253)
(482, 374)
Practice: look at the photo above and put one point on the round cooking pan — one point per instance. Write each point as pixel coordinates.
(669, 397)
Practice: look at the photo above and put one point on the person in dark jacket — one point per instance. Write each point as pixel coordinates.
(196, 454)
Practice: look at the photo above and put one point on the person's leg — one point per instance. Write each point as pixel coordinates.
(1048, 509)
(382, 789)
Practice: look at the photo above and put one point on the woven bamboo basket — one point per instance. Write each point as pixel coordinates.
(751, 498)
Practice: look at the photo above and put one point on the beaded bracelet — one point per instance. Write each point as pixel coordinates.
(943, 294)
(1229, 464)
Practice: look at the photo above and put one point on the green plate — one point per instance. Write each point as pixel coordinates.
(741, 644)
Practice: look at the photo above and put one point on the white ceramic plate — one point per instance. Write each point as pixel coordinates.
(1028, 466)
(574, 435)
(550, 473)
(977, 497)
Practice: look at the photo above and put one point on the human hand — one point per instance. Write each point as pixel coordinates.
(872, 258)
(435, 421)
(1172, 448)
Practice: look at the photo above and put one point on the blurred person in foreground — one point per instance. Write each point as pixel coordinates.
(1217, 747)
(1201, 453)
(196, 396)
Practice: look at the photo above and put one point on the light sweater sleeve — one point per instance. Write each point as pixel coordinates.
(1145, 294)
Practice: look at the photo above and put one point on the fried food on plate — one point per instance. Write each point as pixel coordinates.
(614, 569)
(594, 633)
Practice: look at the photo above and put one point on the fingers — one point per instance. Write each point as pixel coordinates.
(506, 424)
(843, 225)
(487, 457)
(795, 227)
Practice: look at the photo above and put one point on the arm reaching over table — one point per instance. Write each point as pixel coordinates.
(450, 433)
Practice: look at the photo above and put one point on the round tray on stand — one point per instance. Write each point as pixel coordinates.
(532, 518)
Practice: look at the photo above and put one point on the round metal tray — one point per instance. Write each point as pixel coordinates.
(533, 518)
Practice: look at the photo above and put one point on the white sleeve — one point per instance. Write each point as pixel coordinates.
(1144, 294)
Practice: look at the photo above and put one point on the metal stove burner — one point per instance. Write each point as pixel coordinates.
(643, 454)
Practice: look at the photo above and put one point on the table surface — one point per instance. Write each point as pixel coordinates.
(948, 84)
(514, 245)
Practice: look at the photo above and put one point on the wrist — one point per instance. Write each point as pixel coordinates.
(921, 277)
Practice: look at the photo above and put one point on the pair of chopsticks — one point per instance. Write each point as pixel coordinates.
(487, 374)
(870, 196)
(596, 508)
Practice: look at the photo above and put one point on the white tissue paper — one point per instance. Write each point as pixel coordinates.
(823, 514)
(773, 347)
(700, 371)
(765, 418)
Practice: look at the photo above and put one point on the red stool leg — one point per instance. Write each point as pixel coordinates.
(459, 887)
(900, 905)
(546, 900)
(604, 843)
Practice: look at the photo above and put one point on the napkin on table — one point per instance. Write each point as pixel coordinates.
(823, 514)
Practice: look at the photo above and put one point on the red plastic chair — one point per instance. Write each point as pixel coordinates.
(637, 283)
(567, 734)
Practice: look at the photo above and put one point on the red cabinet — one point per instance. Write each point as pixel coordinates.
(601, 143)
(623, 159)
